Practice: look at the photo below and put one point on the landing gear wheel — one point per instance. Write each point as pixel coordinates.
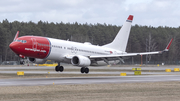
(61, 68)
(57, 68)
(86, 70)
(82, 69)
(22, 62)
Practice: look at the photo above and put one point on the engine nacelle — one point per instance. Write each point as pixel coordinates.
(37, 61)
(80, 61)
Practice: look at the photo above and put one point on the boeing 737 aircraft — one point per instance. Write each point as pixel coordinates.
(40, 49)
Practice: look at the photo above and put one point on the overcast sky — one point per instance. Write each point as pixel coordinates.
(146, 12)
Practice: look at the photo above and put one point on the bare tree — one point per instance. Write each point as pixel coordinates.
(151, 45)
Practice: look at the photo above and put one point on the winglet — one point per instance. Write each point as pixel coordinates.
(168, 46)
(16, 36)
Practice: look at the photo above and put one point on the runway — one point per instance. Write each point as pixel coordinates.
(78, 72)
(87, 80)
(157, 75)
(91, 67)
(69, 69)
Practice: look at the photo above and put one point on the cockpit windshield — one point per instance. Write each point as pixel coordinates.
(23, 41)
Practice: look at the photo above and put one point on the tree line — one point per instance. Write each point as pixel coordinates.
(141, 39)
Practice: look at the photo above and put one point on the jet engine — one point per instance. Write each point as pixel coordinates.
(80, 61)
(37, 61)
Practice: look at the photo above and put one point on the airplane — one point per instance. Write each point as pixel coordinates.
(39, 49)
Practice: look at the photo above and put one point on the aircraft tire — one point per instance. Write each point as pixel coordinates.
(61, 68)
(82, 69)
(57, 68)
(22, 62)
(86, 70)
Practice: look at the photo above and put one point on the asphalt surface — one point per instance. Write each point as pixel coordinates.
(91, 67)
(118, 70)
(72, 72)
(156, 77)
(87, 80)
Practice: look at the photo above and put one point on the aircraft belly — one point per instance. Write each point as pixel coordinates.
(102, 63)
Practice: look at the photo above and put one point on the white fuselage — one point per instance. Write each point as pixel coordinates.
(61, 48)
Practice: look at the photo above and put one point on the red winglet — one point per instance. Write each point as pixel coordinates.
(17, 34)
(130, 17)
(168, 46)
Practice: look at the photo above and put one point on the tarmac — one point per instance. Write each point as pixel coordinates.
(87, 80)
(146, 75)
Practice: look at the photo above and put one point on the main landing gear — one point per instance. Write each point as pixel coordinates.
(59, 68)
(85, 70)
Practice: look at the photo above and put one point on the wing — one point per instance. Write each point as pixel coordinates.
(127, 54)
(133, 54)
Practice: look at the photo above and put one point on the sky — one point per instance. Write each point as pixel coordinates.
(115, 12)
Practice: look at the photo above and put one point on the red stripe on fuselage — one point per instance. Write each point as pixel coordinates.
(35, 46)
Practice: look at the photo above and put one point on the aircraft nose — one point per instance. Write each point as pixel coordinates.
(14, 47)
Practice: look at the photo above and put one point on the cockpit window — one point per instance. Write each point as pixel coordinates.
(23, 41)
